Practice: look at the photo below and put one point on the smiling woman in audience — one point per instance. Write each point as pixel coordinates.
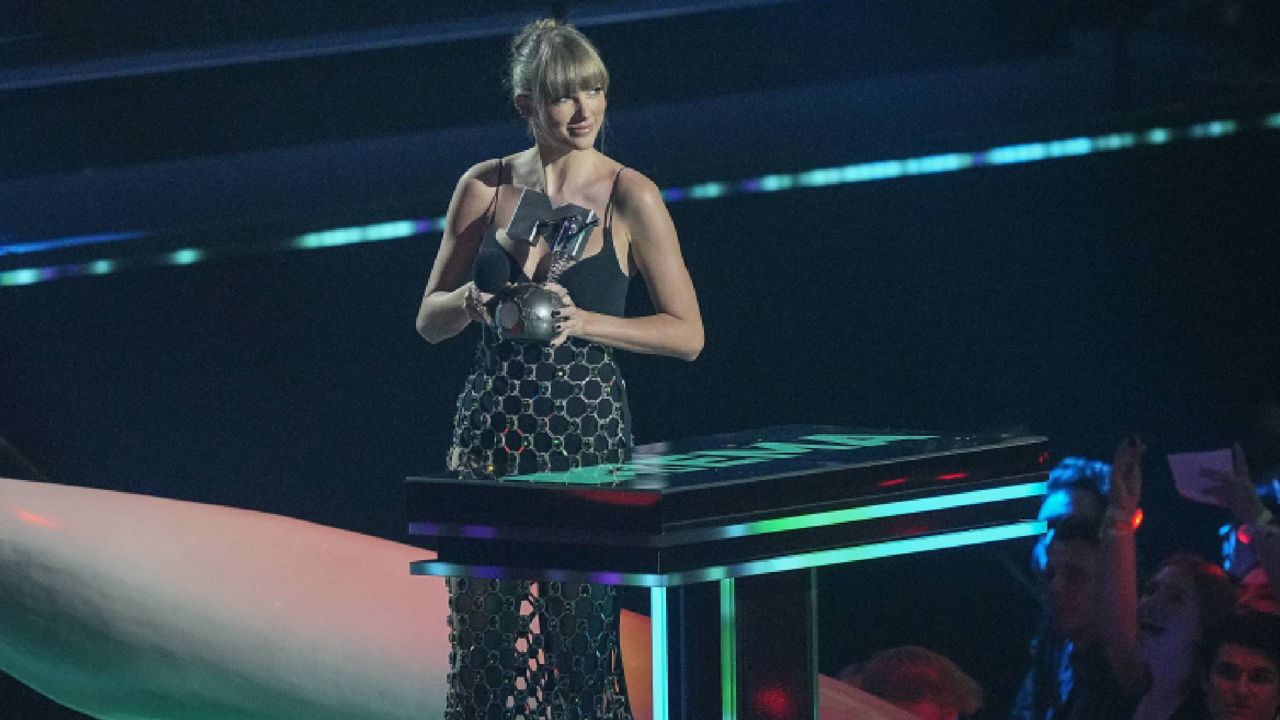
(1153, 640)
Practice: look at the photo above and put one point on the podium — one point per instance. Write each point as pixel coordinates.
(727, 533)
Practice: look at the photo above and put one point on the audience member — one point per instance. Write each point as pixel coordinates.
(1242, 673)
(1078, 488)
(1152, 643)
(1257, 594)
(1255, 526)
(920, 681)
(1070, 678)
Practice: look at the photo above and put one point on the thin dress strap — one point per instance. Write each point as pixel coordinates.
(608, 210)
(493, 204)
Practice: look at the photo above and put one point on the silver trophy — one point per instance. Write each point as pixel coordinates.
(527, 311)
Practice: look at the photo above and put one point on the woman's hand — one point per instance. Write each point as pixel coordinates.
(569, 318)
(478, 305)
(1118, 570)
(1126, 476)
(1234, 490)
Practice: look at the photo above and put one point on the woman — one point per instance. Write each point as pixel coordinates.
(1242, 680)
(536, 407)
(1153, 641)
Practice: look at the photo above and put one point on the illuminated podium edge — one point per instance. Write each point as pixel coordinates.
(784, 513)
(841, 554)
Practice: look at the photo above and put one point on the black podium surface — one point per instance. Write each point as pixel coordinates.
(727, 532)
(717, 506)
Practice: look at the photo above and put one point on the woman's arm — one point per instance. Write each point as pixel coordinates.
(1236, 492)
(1118, 571)
(445, 310)
(675, 328)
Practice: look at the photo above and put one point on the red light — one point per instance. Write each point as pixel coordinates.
(1243, 535)
(1137, 518)
(617, 497)
(892, 482)
(772, 702)
(1044, 458)
(912, 529)
(954, 476)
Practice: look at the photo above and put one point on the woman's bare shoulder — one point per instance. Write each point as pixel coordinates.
(478, 186)
(636, 192)
(484, 174)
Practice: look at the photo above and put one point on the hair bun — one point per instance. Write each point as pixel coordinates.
(532, 32)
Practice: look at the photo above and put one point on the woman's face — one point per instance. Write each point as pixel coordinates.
(1243, 684)
(1169, 621)
(572, 121)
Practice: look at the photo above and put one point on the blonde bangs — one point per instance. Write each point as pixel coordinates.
(567, 67)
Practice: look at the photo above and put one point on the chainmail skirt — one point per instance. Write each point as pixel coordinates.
(544, 650)
(537, 650)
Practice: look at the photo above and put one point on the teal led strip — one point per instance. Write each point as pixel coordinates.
(816, 178)
(968, 160)
(822, 558)
(883, 510)
(872, 551)
(728, 651)
(336, 237)
(658, 631)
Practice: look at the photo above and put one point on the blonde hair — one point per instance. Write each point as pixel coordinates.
(551, 59)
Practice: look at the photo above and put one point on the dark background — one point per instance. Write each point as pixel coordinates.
(1082, 299)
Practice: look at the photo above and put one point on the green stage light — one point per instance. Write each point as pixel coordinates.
(728, 650)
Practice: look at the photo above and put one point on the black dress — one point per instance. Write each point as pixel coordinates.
(545, 650)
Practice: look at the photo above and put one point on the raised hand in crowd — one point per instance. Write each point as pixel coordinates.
(1118, 569)
(1235, 491)
(1126, 482)
(1152, 638)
